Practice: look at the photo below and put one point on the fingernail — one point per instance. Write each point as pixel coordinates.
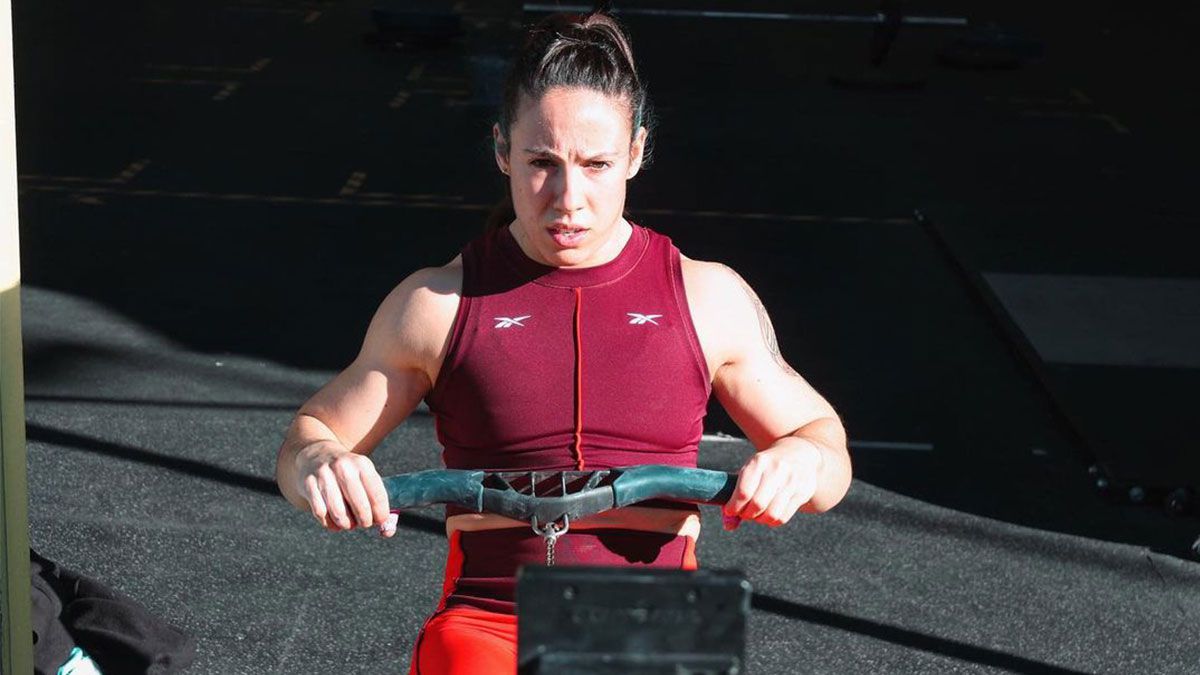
(388, 527)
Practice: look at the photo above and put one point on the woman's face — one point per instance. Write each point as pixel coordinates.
(568, 159)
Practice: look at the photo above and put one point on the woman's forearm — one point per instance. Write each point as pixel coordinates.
(307, 436)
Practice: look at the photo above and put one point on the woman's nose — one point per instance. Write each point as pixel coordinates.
(570, 191)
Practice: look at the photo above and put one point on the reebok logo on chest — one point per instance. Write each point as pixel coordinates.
(635, 318)
(510, 321)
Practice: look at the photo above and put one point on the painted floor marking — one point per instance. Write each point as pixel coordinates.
(222, 196)
(1108, 119)
(162, 80)
(227, 88)
(227, 91)
(1075, 97)
(864, 445)
(301, 8)
(1113, 122)
(256, 67)
(442, 92)
(416, 72)
(428, 201)
(276, 4)
(353, 183)
(66, 179)
(280, 10)
(450, 97)
(123, 177)
(762, 16)
(130, 171)
(1020, 100)
(399, 99)
(422, 197)
(786, 217)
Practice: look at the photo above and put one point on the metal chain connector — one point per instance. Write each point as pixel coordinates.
(550, 533)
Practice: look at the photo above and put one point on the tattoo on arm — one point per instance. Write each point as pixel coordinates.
(764, 324)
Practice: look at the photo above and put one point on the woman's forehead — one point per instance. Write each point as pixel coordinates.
(572, 117)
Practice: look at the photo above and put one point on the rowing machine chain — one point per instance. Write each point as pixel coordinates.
(550, 534)
(550, 549)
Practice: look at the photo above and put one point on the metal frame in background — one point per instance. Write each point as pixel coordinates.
(876, 18)
(16, 629)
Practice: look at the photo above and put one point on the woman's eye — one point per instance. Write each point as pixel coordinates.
(599, 165)
(542, 163)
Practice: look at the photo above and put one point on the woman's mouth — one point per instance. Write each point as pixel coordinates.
(566, 235)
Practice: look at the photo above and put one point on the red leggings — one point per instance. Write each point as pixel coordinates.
(474, 629)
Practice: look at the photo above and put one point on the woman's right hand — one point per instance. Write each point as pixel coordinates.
(343, 489)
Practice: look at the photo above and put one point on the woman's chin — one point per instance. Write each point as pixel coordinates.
(573, 253)
(567, 258)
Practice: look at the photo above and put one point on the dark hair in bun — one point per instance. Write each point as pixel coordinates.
(574, 50)
(590, 51)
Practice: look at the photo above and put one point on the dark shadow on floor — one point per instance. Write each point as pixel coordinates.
(193, 468)
(148, 403)
(904, 638)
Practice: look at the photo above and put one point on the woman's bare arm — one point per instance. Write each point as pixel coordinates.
(322, 465)
(802, 462)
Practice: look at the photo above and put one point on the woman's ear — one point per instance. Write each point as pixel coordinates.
(637, 151)
(501, 147)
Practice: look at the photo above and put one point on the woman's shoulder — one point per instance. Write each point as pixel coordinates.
(704, 279)
(714, 294)
(417, 316)
(429, 290)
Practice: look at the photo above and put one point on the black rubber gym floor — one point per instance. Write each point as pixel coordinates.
(215, 197)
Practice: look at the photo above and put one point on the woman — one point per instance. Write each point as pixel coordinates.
(565, 338)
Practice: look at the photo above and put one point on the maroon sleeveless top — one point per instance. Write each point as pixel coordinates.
(571, 369)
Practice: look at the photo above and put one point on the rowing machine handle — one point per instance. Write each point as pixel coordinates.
(652, 481)
(465, 488)
(436, 486)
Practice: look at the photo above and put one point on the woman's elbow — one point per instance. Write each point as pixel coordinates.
(835, 482)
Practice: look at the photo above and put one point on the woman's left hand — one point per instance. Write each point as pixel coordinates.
(775, 483)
